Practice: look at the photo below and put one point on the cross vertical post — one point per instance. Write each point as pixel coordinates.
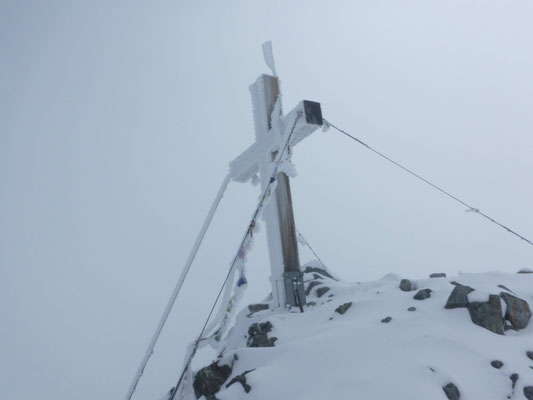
(286, 278)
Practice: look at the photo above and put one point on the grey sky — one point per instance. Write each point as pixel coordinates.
(118, 120)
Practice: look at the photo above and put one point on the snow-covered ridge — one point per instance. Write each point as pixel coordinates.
(376, 341)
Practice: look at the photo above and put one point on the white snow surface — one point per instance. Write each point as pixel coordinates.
(321, 354)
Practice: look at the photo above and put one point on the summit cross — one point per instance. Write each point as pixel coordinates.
(272, 130)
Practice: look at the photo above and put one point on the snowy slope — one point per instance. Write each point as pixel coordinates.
(323, 354)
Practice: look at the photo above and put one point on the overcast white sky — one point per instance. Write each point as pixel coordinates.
(118, 120)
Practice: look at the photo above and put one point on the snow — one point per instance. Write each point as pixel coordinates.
(321, 354)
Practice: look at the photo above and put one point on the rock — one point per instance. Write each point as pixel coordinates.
(411, 309)
(514, 379)
(256, 308)
(311, 286)
(458, 297)
(321, 291)
(422, 294)
(208, 380)
(406, 285)
(528, 392)
(529, 354)
(525, 271)
(451, 391)
(318, 271)
(438, 275)
(496, 364)
(258, 335)
(488, 314)
(311, 304)
(343, 308)
(242, 380)
(316, 276)
(518, 312)
(386, 320)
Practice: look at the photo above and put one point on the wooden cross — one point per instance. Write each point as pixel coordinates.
(272, 129)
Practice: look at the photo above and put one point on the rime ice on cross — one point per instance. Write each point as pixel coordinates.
(271, 131)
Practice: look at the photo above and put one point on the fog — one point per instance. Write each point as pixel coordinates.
(118, 121)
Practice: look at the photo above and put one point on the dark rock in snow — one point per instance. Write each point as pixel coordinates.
(518, 312)
(256, 308)
(438, 275)
(311, 286)
(514, 379)
(406, 285)
(316, 276)
(208, 380)
(311, 303)
(525, 271)
(411, 309)
(386, 320)
(451, 391)
(488, 314)
(529, 354)
(458, 297)
(258, 335)
(318, 271)
(528, 392)
(422, 294)
(321, 291)
(343, 308)
(242, 380)
(496, 364)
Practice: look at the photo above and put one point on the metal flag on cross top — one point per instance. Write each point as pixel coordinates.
(271, 131)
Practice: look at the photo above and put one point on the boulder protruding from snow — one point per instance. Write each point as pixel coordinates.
(208, 380)
(528, 392)
(451, 391)
(488, 314)
(422, 294)
(253, 308)
(258, 335)
(320, 271)
(518, 312)
(438, 275)
(343, 308)
(496, 364)
(406, 285)
(525, 271)
(321, 291)
(529, 354)
(458, 297)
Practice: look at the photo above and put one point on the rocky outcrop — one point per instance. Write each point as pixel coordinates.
(459, 297)
(208, 380)
(438, 275)
(258, 335)
(422, 294)
(451, 392)
(320, 271)
(343, 308)
(406, 285)
(488, 314)
(518, 312)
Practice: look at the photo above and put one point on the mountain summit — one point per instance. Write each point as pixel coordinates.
(464, 337)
